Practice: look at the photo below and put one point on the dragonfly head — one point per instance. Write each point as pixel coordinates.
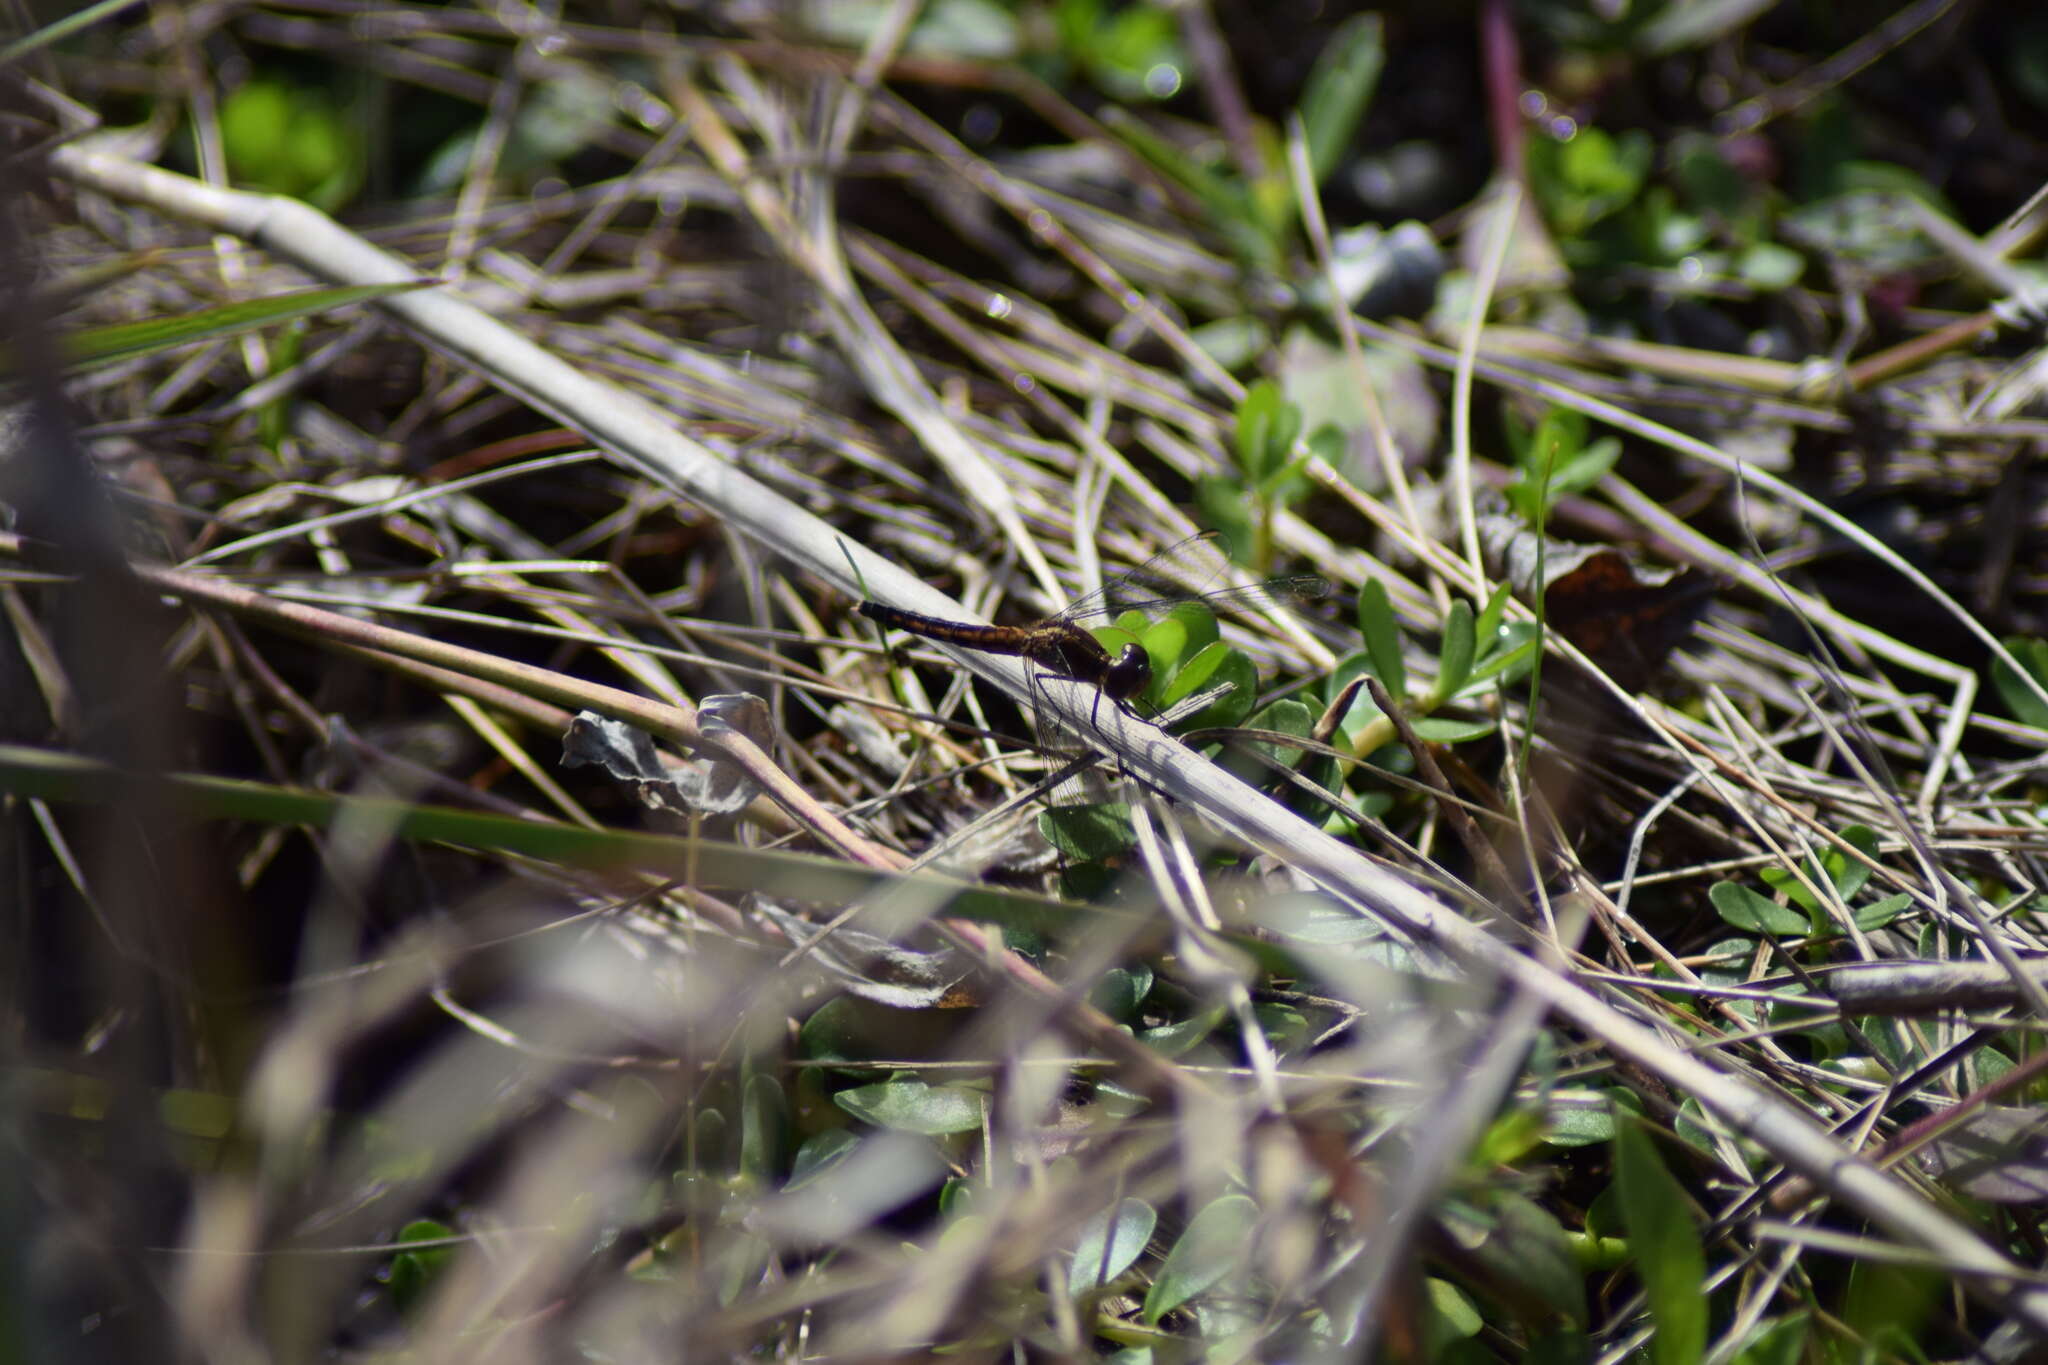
(1128, 674)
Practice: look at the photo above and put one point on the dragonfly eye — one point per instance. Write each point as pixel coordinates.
(1129, 675)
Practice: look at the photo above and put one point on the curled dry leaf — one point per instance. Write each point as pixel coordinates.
(1624, 617)
(710, 786)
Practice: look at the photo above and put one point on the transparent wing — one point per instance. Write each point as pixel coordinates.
(1180, 573)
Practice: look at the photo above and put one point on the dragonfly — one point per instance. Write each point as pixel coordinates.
(1061, 646)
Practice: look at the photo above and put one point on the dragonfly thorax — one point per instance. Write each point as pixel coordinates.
(1128, 675)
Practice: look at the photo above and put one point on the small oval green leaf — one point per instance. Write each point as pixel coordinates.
(2020, 699)
(1446, 730)
(819, 1155)
(1847, 873)
(1454, 663)
(1878, 914)
(1216, 665)
(1214, 1244)
(1382, 638)
(1110, 1242)
(412, 1272)
(1487, 631)
(1745, 909)
(1267, 425)
(1088, 833)
(1171, 1040)
(911, 1106)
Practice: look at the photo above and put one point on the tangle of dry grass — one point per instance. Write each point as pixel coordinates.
(349, 1020)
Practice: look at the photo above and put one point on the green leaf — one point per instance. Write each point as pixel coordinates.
(833, 1032)
(1214, 1244)
(1318, 923)
(1849, 874)
(1362, 710)
(956, 30)
(1559, 434)
(1513, 1134)
(1555, 460)
(1285, 1027)
(124, 341)
(764, 1126)
(1226, 508)
(1166, 644)
(1171, 1040)
(1703, 174)
(1878, 914)
(1600, 164)
(819, 1155)
(1234, 343)
(1487, 631)
(1232, 209)
(1448, 730)
(1452, 1314)
(711, 1137)
(1514, 657)
(1454, 663)
(1128, 53)
(1339, 89)
(255, 131)
(1872, 229)
(909, 1105)
(1328, 443)
(1836, 868)
(1184, 631)
(62, 777)
(740, 1263)
(1585, 468)
(1288, 716)
(2012, 690)
(958, 1197)
(1110, 1242)
(1518, 436)
(1745, 909)
(1779, 880)
(1215, 665)
(1288, 484)
(1382, 638)
(413, 1272)
(1776, 1341)
(1088, 833)
(292, 138)
(1518, 1241)
(1526, 496)
(1267, 426)
(1579, 1118)
(1121, 990)
(1769, 267)
(197, 1113)
(1666, 1242)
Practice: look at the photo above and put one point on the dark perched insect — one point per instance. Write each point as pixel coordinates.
(1062, 646)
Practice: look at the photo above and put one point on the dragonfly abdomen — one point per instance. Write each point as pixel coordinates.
(988, 639)
(1060, 647)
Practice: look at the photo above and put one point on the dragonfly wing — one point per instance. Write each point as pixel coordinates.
(1185, 572)
(1177, 573)
(1273, 592)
